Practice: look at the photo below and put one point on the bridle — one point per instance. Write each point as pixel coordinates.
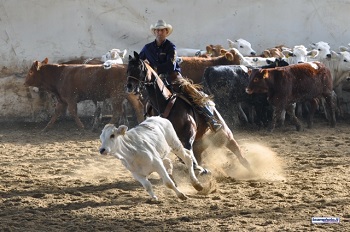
(147, 81)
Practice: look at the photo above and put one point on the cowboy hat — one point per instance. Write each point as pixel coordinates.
(161, 24)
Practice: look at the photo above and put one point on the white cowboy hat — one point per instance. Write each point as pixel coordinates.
(161, 24)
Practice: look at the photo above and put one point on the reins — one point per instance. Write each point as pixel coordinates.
(148, 82)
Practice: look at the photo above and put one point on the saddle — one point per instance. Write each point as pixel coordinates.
(173, 86)
(168, 93)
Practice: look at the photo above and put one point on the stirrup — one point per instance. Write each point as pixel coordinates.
(215, 126)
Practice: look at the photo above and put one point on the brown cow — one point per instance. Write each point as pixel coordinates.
(294, 83)
(83, 60)
(214, 50)
(71, 84)
(193, 67)
(275, 52)
(133, 101)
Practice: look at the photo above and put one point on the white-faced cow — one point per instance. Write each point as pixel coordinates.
(243, 46)
(299, 54)
(144, 149)
(323, 48)
(189, 52)
(294, 83)
(113, 56)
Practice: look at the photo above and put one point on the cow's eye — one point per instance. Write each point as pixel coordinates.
(112, 136)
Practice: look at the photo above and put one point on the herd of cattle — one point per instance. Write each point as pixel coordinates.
(246, 87)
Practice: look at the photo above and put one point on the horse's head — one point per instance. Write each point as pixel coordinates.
(136, 74)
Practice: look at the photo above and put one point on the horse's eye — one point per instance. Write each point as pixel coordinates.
(112, 136)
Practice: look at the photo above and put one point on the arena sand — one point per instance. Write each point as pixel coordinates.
(57, 181)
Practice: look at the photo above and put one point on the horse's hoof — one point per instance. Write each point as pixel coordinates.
(182, 196)
(198, 187)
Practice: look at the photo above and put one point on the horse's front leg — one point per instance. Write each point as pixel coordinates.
(188, 142)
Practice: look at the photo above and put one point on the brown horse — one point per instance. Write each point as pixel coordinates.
(190, 126)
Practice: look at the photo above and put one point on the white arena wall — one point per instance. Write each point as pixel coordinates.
(66, 29)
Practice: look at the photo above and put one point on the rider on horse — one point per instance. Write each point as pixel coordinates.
(161, 55)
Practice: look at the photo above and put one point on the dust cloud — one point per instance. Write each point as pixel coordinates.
(265, 163)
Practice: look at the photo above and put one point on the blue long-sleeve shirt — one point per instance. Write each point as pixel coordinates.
(162, 58)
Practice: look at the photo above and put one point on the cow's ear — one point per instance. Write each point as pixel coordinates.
(37, 65)
(45, 61)
(265, 74)
(335, 54)
(267, 53)
(123, 53)
(287, 53)
(313, 53)
(230, 43)
(122, 129)
(313, 45)
(223, 51)
(229, 56)
(209, 49)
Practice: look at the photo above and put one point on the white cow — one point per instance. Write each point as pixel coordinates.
(323, 48)
(190, 52)
(144, 149)
(252, 61)
(257, 61)
(299, 54)
(113, 56)
(339, 66)
(243, 46)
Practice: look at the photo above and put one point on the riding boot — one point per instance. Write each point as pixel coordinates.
(213, 123)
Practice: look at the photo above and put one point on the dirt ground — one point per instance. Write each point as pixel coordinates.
(57, 181)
